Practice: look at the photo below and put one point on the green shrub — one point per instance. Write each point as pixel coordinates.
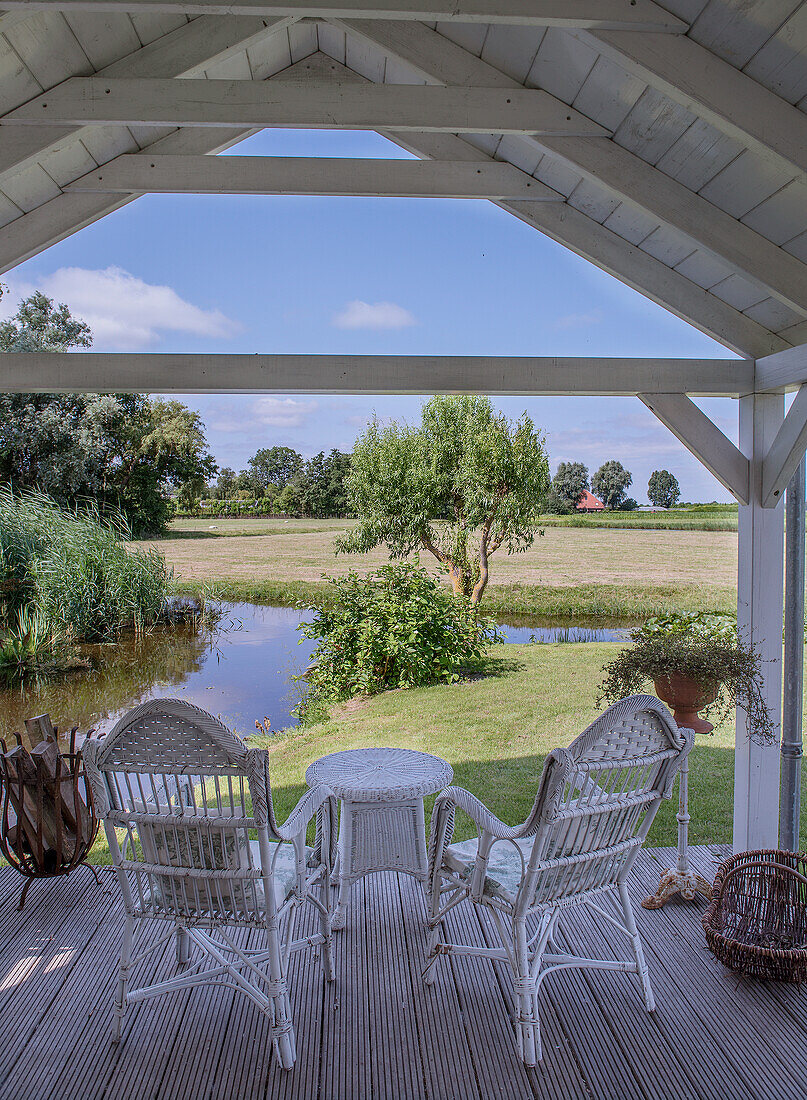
(397, 628)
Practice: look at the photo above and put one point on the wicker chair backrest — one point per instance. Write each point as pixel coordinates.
(598, 798)
(188, 795)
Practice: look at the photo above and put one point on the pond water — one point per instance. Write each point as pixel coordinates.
(240, 672)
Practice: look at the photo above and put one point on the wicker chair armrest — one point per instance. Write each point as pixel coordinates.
(442, 824)
(319, 802)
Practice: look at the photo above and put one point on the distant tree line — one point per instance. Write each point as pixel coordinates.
(285, 483)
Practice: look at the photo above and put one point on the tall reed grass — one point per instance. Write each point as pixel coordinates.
(73, 568)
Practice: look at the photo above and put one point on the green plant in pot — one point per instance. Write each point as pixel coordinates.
(695, 662)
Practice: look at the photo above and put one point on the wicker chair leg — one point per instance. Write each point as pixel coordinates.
(124, 973)
(183, 947)
(325, 928)
(529, 1033)
(283, 1032)
(636, 941)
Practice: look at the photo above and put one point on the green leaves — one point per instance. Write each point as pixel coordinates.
(399, 627)
(463, 484)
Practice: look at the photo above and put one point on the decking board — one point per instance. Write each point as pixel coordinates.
(376, 1031)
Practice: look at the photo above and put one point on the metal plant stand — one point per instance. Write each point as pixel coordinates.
(680, 879)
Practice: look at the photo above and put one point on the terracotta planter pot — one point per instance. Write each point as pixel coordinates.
(685, 697)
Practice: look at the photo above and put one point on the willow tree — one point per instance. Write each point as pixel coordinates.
(463, 484)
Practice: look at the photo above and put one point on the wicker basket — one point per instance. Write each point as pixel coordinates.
(756, 922)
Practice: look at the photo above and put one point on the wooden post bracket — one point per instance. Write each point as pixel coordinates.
(703, 439)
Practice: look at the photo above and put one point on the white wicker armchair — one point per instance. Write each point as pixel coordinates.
(595, 804)
(181, 797)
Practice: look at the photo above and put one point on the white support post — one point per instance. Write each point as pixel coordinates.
(760, 601)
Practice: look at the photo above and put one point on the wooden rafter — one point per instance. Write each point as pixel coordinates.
(784, 370)
(109, 372)
(629, 177)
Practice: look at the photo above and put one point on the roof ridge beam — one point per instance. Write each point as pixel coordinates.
(634, 14)
(98, 100)
(437, 58)
(186, 51)
(702, 438)
(713, 89)
(51, 372)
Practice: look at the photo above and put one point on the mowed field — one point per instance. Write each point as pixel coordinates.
(688, 568)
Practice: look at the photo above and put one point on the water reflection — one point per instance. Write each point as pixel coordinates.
(239, 671)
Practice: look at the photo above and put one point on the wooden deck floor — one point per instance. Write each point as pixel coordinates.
(377, 1032)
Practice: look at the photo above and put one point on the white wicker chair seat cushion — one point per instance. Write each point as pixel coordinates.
(505, 869)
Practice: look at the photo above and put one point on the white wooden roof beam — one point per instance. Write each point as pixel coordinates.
(714, 90)
(416, 374)
(322, 105)
(701, 436)
(186, 52)
(786, 451)
(782, 371)
(633, 14)
(206, 175)
(637, 183)
(437, 58)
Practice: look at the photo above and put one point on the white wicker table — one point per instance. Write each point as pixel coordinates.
(381, 824)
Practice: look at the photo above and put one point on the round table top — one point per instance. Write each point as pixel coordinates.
(380, 775)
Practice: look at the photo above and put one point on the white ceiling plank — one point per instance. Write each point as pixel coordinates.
(204, 175)
(203, 373)
(327, 105)
(714, 90)
(786, 451)
(703, 439)
(634, 14)
(184, 52)
(782, 371)
(437, 59)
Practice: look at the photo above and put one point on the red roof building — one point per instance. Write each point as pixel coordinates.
(589, 503)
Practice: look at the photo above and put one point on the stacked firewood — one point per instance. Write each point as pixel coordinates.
(47, 822)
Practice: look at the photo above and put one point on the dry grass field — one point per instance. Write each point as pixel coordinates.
(302, 550)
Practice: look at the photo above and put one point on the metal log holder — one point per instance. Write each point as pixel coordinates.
(47, 816)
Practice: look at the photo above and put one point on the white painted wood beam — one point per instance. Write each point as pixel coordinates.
(416, 374)
(786, 451)
(713, 89)
(645, 188)
(186, 51)
(782, 371)
(322, 105)
(633, 14)
(630, 178)
(207, 175)
(437, 58)
(760, 600)
(701, 436)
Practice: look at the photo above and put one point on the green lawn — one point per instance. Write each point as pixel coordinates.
(495, 732)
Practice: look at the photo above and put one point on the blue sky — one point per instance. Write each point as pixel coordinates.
(409, 277)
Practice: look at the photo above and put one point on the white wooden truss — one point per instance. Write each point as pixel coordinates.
(664, 142)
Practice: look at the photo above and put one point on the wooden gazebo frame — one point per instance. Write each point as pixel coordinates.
(665, 143)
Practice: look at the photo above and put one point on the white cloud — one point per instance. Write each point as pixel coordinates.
(123, 311)
(373, 315)
(283, 412)
(579, 320)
